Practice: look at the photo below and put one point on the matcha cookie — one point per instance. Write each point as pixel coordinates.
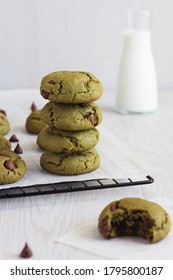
(71, 87)
(12, 167)
(34, 124)
(134, 217)
(4, 144)
(71, 116)
(73, 164)
(4, 124)
(63, 141)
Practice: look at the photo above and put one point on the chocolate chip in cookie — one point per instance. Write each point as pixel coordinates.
(9, 164)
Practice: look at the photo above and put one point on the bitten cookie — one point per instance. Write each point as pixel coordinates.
(4, 124)
(34, 124)
(71, 87)
(71, 116)
(63, 141)
(12, 167)
(4, 144)
(73, 164)
(134, 217)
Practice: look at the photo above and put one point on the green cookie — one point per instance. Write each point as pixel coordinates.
(34, 124)
(71, 116)
(73, 164)
(63, 141)
(71, 87)
(4, 144)
(12, 167)
(134, 217)
(4, 124)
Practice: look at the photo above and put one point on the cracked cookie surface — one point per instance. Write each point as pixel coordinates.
(4, 124)
(34, 124)
(73, 164)
(71, 116)
(62, 141)
(4, 144)
(71, 87)
(134, 217)
(12, 167)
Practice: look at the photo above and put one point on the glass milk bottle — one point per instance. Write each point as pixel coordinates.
(137, 83)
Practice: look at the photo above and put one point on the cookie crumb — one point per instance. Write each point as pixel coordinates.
(26, 252)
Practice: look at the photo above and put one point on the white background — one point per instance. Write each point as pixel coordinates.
(41, 36)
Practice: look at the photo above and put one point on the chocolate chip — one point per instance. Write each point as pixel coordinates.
(91, 118)
(45, 94)
(66, 151)
(34, 107)
(146, 225)
(9, 164)
(13, 138)
(103, 226)
(3, 112)
(3, 155)
(18, 149)
(26, 252)
(52, 82)
(113, 207)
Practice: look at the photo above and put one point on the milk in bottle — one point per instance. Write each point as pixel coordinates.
(137, 83)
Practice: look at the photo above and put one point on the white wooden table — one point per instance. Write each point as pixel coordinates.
(42, 220)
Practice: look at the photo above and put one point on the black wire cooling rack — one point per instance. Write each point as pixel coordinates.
(72, 186)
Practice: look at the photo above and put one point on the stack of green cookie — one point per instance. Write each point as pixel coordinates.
(72, 116)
